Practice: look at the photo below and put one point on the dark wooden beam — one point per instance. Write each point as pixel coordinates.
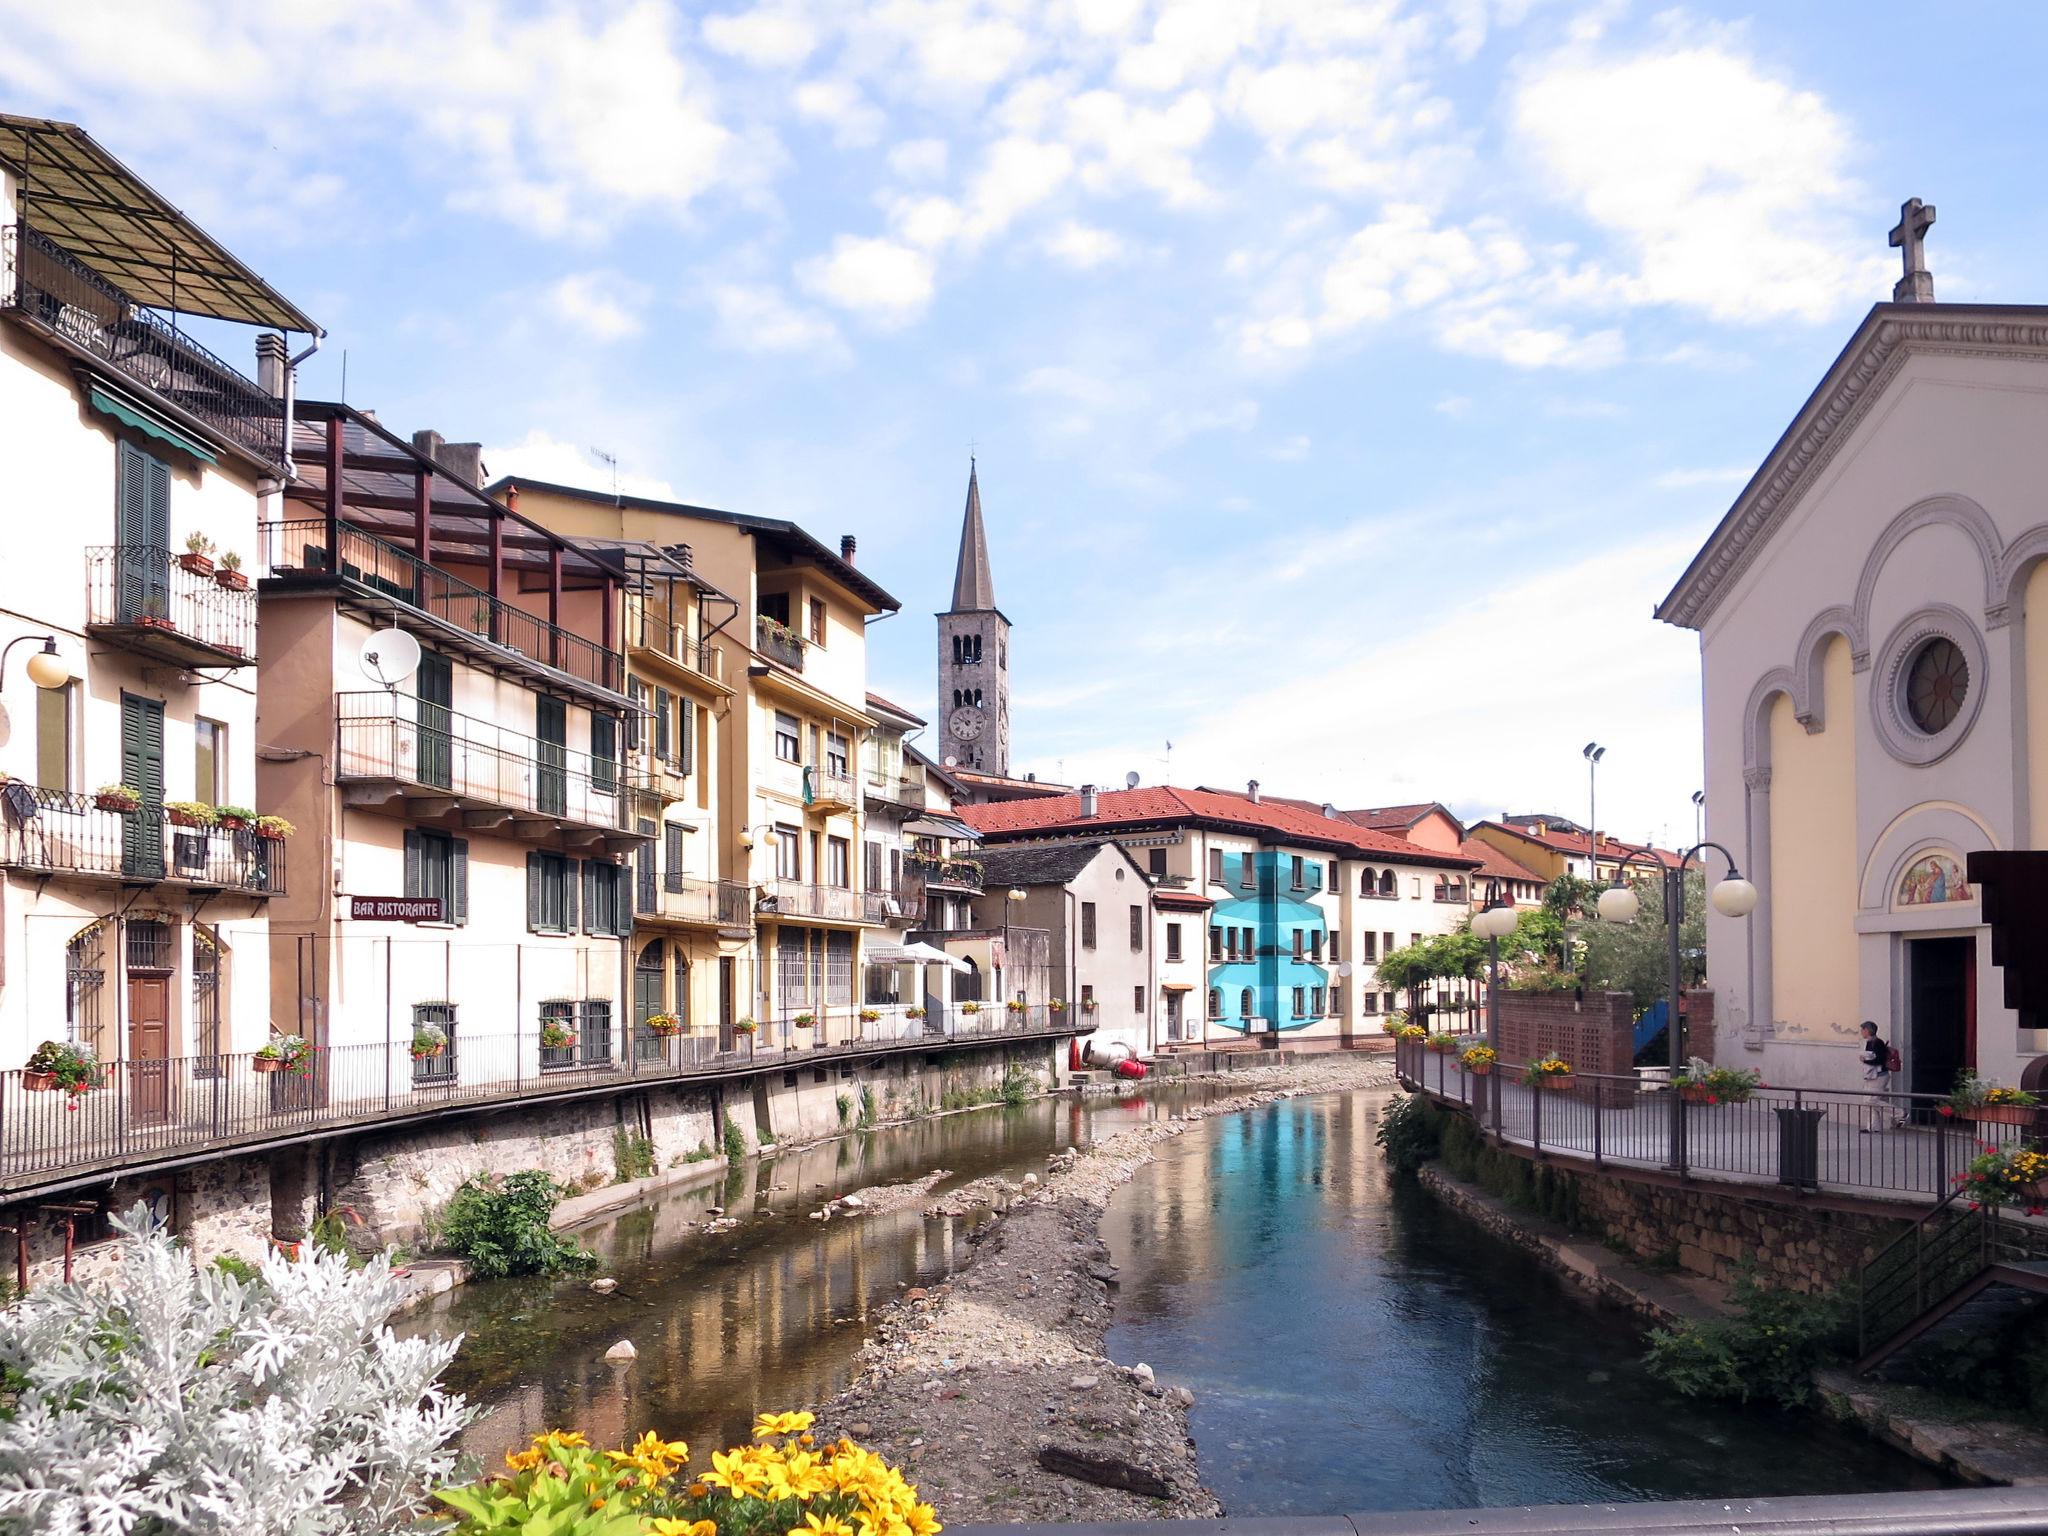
(423, 516)
(497, 586)
(555, 606)
(335, 491)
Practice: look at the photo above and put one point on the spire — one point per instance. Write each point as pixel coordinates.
(974, 588)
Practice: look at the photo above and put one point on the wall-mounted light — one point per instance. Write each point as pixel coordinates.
(46, 669)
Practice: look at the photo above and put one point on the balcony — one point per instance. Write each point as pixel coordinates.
(891, 789)
(647, 630)
(392, 745)
(298, 549)
(61, 295)
(958, 876)
(140, 598)
(706, 903)
(829, 788)
(778, 642)
(827, 903)
(53, 832)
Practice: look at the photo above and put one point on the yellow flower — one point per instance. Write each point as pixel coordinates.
(522, 1461)
(782, 1424)
(735, 1471)
(663, 1526)
(562, 1437)
(653, 1455)
(829, 1525)
(923, 1520)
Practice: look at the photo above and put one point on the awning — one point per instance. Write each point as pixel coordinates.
(1176, 986)
(940, 826)
(129, 411)
(913, 954)
(1186, 901)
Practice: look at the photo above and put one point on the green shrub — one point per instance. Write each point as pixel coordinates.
(632, 1156)
(329, 1234)
(237, 1267)
(1542, 1189)
(1016, 1088)
(501, 1227)
(1411, 1132)
(845, 1104)
(867, 1105)
(735, 1141)
(701, 1153)
(1767, 1353)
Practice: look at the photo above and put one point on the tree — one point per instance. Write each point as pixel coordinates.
(1635, 956)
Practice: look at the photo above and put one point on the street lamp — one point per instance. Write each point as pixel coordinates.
(1592, 752)
(1732, 896)
(1494, 922)
(46, 669)
(1013, 896)
(1699, 815)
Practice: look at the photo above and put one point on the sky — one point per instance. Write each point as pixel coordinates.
(1348, 380)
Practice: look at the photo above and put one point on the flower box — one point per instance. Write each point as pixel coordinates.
(121, 804)
(427, 1053)
(2004, 1114)
(234, 581)
(196, 563)
(1555, 1082)
(39, 1082)
(1696, 1093)
(269, 1063)
(1481, 1069)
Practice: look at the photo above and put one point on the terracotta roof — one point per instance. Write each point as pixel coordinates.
(1381, 818)
(1003, 781)
(1575, 843)
(896, 709)
(1187, 900)
(1279, 821)
(1495, 865)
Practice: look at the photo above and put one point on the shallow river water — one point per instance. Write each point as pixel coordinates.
(1352, 1345)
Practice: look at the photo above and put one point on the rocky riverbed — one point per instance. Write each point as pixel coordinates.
(992, 1391)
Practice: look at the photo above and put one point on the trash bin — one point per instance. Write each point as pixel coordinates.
(1799, 1146)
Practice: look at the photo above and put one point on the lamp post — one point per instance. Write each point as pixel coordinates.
(1494, 922)
(1699, 815)
(1592, 752)
(1732, 896)
(1011, 898)
(46, 669)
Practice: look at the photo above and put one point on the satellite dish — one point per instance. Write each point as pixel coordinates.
(389, 657)
(952, 761)
(1344, 968)
(1131, 780)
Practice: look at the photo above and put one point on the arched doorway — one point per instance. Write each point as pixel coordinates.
(148, 950)
(650, 970)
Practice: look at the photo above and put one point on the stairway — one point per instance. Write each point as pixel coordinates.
(1955, 1269)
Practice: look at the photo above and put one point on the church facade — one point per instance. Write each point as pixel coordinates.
(1873, 622)
(974, 657)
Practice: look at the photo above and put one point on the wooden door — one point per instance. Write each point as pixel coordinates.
(435, 684)
(551, 752)
(142, 536)
(149, 1046)
(725, 1002)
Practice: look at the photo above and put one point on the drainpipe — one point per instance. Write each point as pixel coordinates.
(291, 398)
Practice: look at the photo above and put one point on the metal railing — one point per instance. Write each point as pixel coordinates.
(143, 1109)
(894, 789)
(299, 547)
(651, 632)
(1897, 1145)
(397, 737)
(779, 643)
(685, 898)
(1933, 1259)
(826, 785)
(953, 874)
(793, 898)
(43, 281)
(144, 590)
(54, 831)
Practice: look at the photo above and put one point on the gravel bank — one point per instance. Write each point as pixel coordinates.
(968, 1385)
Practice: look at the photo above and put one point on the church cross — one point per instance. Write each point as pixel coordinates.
(1909, 238)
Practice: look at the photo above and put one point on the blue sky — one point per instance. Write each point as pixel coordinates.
(1349, 380)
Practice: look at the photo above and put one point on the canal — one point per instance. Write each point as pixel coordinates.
(1352, 1346)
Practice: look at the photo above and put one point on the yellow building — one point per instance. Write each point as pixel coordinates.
(786, 717)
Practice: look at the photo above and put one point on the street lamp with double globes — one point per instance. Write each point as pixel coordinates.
(1494, 922)
(1012, 897)
(1731, 896)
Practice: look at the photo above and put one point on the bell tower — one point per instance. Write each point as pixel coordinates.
(974, 656)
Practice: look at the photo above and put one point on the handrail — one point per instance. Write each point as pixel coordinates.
(55, 831)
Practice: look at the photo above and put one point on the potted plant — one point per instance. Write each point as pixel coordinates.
(744, 1026)
(664, 1025)
(188, 813)
(116, 797)
(428, 1040)
(870, 1015)
(1440, 1044)
(198, 556)
(276, 828)
(804, 1020)
(1551, 1071)
(1478, 1059)
(1056, 1006)
(285, 1053)
(1989, 1103)
(1700, 1083)
(557, 1036)
(1411, 1032)
(233, 818)
(1015, 1005)
(1087, 1005)
(970, 1007)
(1996, 1176)
(60, 1064)
(913, 1012)
(230, 574)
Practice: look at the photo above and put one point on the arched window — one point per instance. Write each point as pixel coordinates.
(650, 971)
(1386, 882)
(85, 976)
(1365, 882)
(1244, 1002)
(1215, 1002)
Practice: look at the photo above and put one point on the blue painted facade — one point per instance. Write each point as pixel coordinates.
(1266, 972)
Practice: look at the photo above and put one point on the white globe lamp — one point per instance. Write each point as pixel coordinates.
(1619, 904)
(1734, 897)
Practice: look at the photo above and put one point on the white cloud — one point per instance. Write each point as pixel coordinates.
(1292, 450)
(1019, 174)
(854, 120)
(1688, 479)
(1075, 244)
(602, 305)
(755, 318)
(769, 36)
(1453, 405)
(919, 159)
(539, 456)
(886, 283)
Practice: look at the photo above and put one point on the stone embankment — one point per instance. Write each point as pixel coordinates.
(992, 1391)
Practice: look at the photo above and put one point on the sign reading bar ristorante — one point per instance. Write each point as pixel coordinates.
(396, 909)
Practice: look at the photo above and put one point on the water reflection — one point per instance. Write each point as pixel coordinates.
(767, 1315)
(1354, 1346)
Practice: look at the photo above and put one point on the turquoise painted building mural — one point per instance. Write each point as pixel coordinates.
(1268, 943)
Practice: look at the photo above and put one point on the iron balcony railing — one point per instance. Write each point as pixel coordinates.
(779, 643)
(398, 738)
(647, 629)
(41, 280)
(687, 899)
(792, 898)
(52, 831)
(895, 790)
(142, 596)
(827, 785)
(139, 1110)
(299, 547)
(948, 874)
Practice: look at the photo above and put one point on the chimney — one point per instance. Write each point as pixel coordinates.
(846, 547)
(428, 445)
(1541, 829)
(1088, 806)
(464, 461)
(1329, 811)
(1251, 791)
(271, 364)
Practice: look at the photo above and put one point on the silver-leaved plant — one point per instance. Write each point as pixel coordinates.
(172, 1398)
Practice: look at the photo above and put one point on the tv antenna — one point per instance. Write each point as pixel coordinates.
(611, 462)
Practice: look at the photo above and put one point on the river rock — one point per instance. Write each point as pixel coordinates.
(1083, 1383)
(604, 1286)
(852, 1202)
(1141, 1373)
(1180, 1397)
(621, 1351)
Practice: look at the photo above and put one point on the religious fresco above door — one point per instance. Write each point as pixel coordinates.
(1932, 879)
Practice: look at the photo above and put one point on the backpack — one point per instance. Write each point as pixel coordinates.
(1893, 1061)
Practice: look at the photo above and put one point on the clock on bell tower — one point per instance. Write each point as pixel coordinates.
(974, 655)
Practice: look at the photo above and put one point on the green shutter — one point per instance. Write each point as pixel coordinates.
(685, 736)
(532, 892)
(662, 702)
(412, 863)
(593, 916)
(458, 884)
(142, 770)
(565, 880)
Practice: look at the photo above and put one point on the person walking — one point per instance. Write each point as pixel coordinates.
(1877, 1071)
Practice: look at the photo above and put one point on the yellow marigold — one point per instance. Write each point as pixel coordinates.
(782, 1424)
(828, 1525)
(567, 1438)
(735, 1471)
(653, 1455)
(522, 1461)
(923, 1520)
(663, 1526)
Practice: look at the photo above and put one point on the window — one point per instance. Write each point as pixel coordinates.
(561, 1015)
(1087, 997)
(789, 854)
(209, 761)
(604, 752)
(1297, 872)
(1386, 942)
(664, 719)
(1330, 880)
(1230, 934)
(871, 865)
(1299, 943)
(788, 745)
(1315, 947)
(1087, 925)
(1336, 947)
(817, 621)
(594, 1029)
(1387, 883)
(1137, 928)
(1215, 1002)
(1248, 874)
(1156, 861)
(838, 862)
(53, 736)
(1386, 1002)
(672, 855)
(1216, 945)
(1336, 1001)
(1216, 865)
(835, 755)
(839, 969)
(1137, 1000)
(1173, 941)
(1315, 1002)
(1372, 1002)
(440, 1068)
(550, 893)
(1369, 946)
(636, 698)
(605, 908)
(1414, 938)
(1300, 1000)
(1244, 1002)
(438, 865)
